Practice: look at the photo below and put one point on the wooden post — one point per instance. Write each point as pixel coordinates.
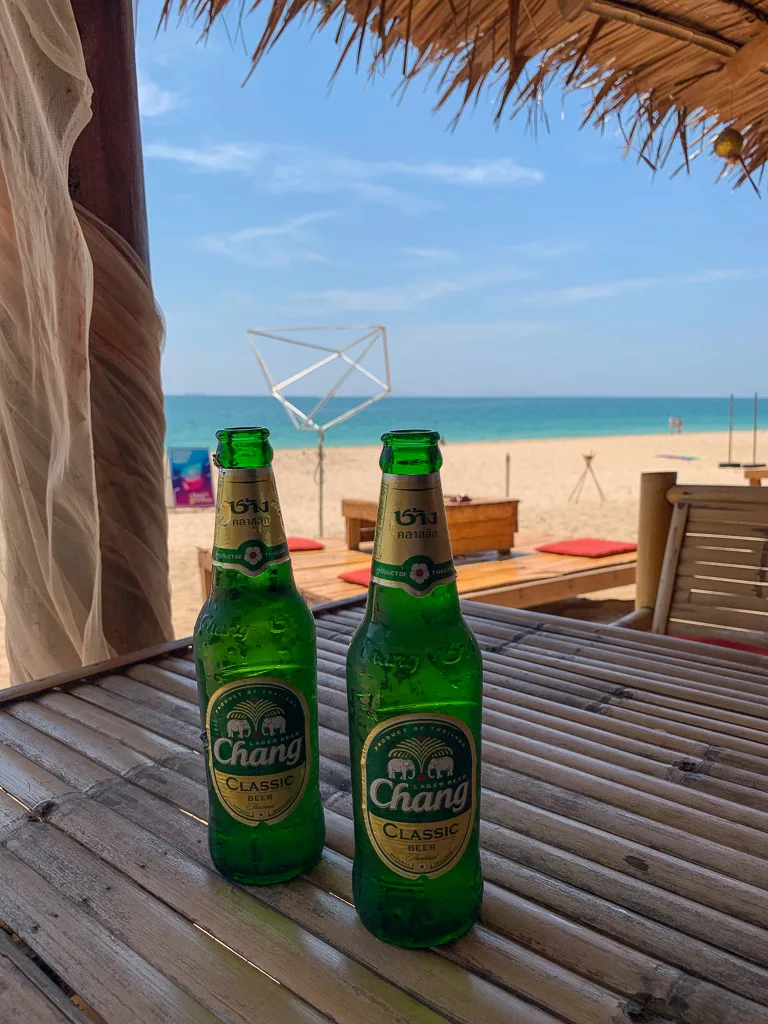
(653, 527)
(106, 169)
(107, 178)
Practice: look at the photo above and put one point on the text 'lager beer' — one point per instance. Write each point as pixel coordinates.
(256, 658)
(414, 684)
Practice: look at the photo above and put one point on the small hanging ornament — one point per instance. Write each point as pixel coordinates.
(729, 145)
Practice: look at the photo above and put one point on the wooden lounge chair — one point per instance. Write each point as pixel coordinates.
(712, 578)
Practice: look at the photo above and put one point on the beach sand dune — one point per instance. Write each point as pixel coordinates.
(543, 475)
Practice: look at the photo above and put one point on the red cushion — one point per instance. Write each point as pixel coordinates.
(588, 547)
(304, 544)
(361, 576)
(716, 641)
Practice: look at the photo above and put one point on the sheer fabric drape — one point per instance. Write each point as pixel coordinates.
(64, 522)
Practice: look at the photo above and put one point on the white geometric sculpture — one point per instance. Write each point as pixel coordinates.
(350, 357)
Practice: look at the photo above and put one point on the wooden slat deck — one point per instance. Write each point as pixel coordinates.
(522, 580)
(624, 832)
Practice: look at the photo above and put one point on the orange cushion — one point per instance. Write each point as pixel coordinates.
(716, 641)
(588, 547)
(304, 544)
(361, 576)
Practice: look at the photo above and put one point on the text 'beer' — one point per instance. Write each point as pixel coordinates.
(257, 674)
(414, 683)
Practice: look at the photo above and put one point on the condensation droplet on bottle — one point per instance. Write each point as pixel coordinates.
(277, 625)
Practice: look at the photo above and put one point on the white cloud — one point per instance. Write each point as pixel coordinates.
(478, 173)
(153, 99)
(613, 289)
(396, 298)
(284, 168)
(216, 158)
(271, 245)
(433, 255)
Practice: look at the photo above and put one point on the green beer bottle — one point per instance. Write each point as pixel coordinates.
(255, 651)
(414, 685)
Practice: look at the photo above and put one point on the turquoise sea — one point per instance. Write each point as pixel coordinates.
(194, 419)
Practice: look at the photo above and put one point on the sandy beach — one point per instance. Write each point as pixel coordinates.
(543, 474)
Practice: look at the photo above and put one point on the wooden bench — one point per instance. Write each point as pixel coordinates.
(712, 580)
(756, 476)
(482, 524)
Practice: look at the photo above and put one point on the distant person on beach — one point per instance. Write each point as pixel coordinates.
(672, 424)
(679, 426)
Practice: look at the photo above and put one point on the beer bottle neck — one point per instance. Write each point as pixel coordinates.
(250, 552)
(412, 571)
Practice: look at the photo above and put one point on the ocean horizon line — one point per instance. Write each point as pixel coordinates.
(194, 419)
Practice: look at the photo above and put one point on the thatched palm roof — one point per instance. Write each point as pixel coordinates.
(673, 73)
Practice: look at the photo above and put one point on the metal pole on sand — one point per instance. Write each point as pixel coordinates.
(754, 464)
(730, 464)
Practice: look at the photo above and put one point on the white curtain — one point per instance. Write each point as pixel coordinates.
(53, 535)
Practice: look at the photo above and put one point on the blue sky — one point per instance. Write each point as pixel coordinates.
(500, 264)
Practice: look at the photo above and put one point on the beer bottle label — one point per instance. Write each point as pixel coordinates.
(249, 535)
(418, 782)
(412, 549)
(257, 732)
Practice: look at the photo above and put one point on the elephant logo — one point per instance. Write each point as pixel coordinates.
(402, 766)
(238, 727)
(438, 766)
(432, 756)
(256, 718)
(273, 724)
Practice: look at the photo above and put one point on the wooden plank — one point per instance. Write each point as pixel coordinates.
(566, 940)
(23, 1001)
(533, 623)
(591, 773)
(742, 636)
(708, 570)
(712, 556)
(28, 994)
(12, 693)
(719, 617)
(109, 976)
(715, 598)
(218, 979)
(102, 749)
(526, 595)
(687, 582)
(703, 858)
(602, 875)
(169, 682)
(158, 700)
(330, 981)
(322, 913)
(159, 723)
(142, 740)
(753, 522)
(178, 666)
(669, 567)
(28, 782)
(12, 814)
(57, 758)
(696, 494)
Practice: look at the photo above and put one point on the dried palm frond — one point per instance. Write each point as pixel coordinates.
(664, 70)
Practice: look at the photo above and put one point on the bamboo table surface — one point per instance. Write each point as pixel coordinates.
(624, 833)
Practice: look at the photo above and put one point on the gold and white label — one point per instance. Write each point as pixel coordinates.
(412, 549)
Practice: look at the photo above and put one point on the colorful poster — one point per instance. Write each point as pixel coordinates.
(191, 477)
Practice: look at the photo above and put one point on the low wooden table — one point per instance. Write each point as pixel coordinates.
(624, 833)
(482, 524)
(756, 476)
(524, 579)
